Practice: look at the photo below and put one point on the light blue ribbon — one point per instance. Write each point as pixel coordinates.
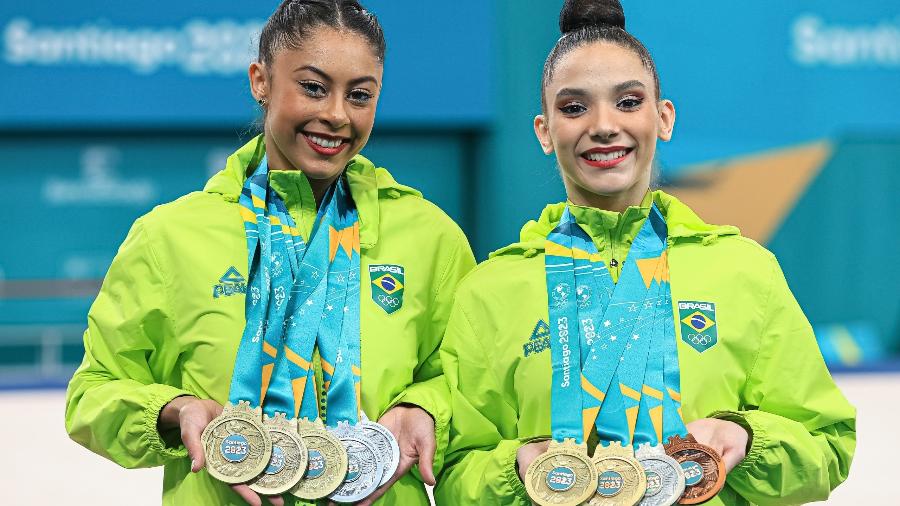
(286, 282)
(246, 379)
(339, 333)
(619, 357)
(565, 342)
(673, 423)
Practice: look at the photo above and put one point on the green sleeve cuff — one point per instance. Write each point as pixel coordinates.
(432, 396)
(162, 395)
(510, 470)
(758, 438)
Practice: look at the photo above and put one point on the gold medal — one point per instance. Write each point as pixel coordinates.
(326, 465)
(620, 477)
(236, 445)
(563, 476)
(289, 455)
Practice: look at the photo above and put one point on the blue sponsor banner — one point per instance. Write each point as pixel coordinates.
(168, 63)
(747, 77)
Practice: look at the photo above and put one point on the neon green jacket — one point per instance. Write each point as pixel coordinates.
(764, 372)
(170, 314)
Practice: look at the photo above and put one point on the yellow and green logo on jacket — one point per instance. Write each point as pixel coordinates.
(387, 286)
(698, 324)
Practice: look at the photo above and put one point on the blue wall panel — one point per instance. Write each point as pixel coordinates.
(161, 63)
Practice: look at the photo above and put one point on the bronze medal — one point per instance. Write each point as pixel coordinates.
(704, 470)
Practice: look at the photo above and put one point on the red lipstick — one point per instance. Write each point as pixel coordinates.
(606, 157)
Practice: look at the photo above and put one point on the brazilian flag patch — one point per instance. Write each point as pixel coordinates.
(387, 286)
(698, 324)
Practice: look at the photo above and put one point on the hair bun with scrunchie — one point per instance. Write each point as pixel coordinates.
(578, 14)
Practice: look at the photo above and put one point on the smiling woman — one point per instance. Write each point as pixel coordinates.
(695, 361)
(237, 323)
(320, 98)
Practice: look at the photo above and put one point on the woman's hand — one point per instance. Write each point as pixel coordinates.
(414, 429)
(727, 438)
(526, 454)
(191, 415)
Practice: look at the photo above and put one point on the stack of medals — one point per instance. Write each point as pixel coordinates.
(629, 379)
(300, 296)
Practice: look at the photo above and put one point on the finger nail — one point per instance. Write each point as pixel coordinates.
(193, 465)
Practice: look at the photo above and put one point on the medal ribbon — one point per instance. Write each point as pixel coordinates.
(609, 318)
(672, 420)
(650, 417)
(247, 376)
(285, 275)
(614, 373)
(565, 350)
(339, 332)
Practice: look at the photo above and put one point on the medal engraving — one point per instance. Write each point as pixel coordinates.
(364, 469)
(563, 476)
(385, 444)
(236, 446)
(289, 457)
(703, 468)
(326, 462)
(665, 478)
(621, 480)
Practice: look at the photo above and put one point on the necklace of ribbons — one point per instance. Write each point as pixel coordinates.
(613, 347)
(301, 295)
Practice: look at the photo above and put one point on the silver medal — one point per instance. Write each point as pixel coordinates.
(665, 478)
(385, 444)
(364, 468)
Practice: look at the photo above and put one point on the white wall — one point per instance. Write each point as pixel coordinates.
(33, 423)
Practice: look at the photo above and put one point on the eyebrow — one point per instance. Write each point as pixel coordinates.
(324, 75)
(619, 88)
(627, 85)
(572, 92)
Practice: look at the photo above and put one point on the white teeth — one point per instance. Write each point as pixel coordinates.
(605, 157)
(325, 143)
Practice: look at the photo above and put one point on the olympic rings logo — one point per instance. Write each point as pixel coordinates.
(700, 339)
(388, 300)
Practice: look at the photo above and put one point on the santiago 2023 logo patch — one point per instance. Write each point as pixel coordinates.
(387, 286)
(698, 324)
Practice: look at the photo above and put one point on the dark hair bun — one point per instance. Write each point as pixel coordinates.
(578, 14)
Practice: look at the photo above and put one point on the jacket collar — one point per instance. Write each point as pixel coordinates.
(682, 222)
(364, 180)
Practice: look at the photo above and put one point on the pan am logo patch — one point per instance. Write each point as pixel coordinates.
(231, 283)
(387, 286)
(539, 340)
(698, 324)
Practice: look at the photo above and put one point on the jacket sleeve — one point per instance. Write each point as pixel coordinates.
(803, 429)
(114, 399)
(429, 389)
(481, 457)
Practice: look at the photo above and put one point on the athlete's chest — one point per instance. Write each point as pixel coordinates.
(211, 287)
(716, 328)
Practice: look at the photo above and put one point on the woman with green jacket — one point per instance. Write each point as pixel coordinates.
(758, 401)
(164, 334)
